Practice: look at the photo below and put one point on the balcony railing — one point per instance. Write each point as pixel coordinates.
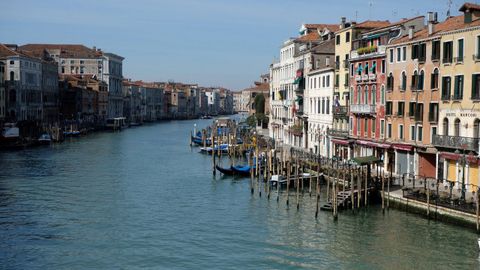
(338, 133)
(362, 108)
(340, 110)
(447, 60)
(456, 142)
(459, 59)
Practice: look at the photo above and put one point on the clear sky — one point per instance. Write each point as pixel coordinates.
(211, 42)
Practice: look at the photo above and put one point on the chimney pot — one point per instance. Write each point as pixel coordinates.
(410, 32)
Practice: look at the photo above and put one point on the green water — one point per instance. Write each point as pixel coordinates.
(143, 199)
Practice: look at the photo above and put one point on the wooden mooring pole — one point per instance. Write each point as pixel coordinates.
(288, 181)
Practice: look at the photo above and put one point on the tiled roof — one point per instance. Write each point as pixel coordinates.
(312, 36)
(450, 24)
(66, 50)
(6, 52)
(372, 24)
(470, 6)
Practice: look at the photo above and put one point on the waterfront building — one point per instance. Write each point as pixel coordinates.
(318, 97)
(2, 91)
(50, 94)
(237, 101)
(368, 74)
(113, 76)
(203, 102)
(23, 84)
(213, 101)
(413, 100)
(458, 135)
(287, 83)
(344, 37)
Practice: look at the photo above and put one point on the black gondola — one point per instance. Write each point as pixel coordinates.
(225, 171)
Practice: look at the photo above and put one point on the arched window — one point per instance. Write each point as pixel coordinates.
(434, 79)
(457, 127)
(415, 80)
(374, 94)
(476, 128)
(421, 80)
(359, 94)
(390, 81)
(382, 95)
(365, 97)
(404, 81)
(445, 126)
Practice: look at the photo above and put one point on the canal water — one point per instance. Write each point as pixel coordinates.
(143, 198)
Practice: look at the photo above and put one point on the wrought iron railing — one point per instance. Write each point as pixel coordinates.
(457, 142)
(337, 133)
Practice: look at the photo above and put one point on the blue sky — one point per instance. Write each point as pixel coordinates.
(211, 42)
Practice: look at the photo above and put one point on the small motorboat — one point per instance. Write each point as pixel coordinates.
(71, 133)
(45, 139)
(210, 150)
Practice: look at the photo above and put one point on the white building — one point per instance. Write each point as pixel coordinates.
(113, 76)
(288, 124)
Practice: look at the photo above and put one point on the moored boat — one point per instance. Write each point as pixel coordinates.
(225, 171)
(45, 139)
(242, 170)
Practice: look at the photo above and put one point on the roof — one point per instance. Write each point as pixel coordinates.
(469, 6)
(259, 87)
(331, 27)
(6, 52)
(450, 24)
(372, 24)
(66, 50)
(317, 30)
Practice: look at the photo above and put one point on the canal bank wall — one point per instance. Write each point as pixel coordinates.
(432, 211)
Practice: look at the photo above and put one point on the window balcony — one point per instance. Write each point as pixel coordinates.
(372, 77)
(447, 60)
(358, 78)
(459, 59)
(446, 97)
(339, 133)
(362, 109)
(340, 110)
(456, 142)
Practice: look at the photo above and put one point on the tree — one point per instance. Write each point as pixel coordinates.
(259, 104)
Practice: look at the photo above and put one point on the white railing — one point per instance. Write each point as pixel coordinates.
(362, 108)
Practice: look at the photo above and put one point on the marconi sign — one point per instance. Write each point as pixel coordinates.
(462, 114)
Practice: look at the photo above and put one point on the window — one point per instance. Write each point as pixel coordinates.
(12, 75)
(346, 80)
(457, 127)
(382, 95)
(399, 54)
(414, 85)
(366, 68)
(476, 86)
(338, 39)
(337, 62)
(433, 133)
(374, 67)
(389, 130)
(433, 112)
(72, 62)
(389, 108)
(374, 95)
(422, 52)
(446, 86)
(347, 37)
(434, 79)
(476, 128)
(365, 127)
(323, 81)
(401, 108)
(374, 124)
(411, 109)
(458, 88)
(445, 126)
(337, 80)
(421, 80)
(391, 56)
(447, 52)
(460, 51)
(436, 50)
(400, 132)
(404, 81)
(328, 81)
(476, 56)
(404, 54)
(358, 126)
(412, 133)
(382, 128)
(415, 51)
(359, 94)
(365, 96)
(420, 133)
(419, 112)
(12, 62)
(390, 82)
(82, 62)
(383, 66)
(323, 106)
(359, 69)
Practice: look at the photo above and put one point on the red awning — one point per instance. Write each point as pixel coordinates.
(453, 156)
(342, 142)
(404, 147)
(383, 145)
(360, 142)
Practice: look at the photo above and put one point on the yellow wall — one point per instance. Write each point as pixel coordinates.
(341, 50)
(451, 174)
(473, 175)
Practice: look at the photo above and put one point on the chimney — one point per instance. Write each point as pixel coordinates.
(410, 31)
(432, 20)
(343, 21)
(94, 48)
(467, 18)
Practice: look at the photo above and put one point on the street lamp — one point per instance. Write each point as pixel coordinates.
(463, 161)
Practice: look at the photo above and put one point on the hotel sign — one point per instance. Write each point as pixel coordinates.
(462, 113)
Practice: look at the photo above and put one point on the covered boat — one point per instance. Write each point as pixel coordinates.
(242, 170)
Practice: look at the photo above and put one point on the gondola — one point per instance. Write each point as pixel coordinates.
(242, 170)
(225, 171)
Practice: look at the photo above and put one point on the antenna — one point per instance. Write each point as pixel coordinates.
(356, 15)
(449, 4)
(370, 4)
